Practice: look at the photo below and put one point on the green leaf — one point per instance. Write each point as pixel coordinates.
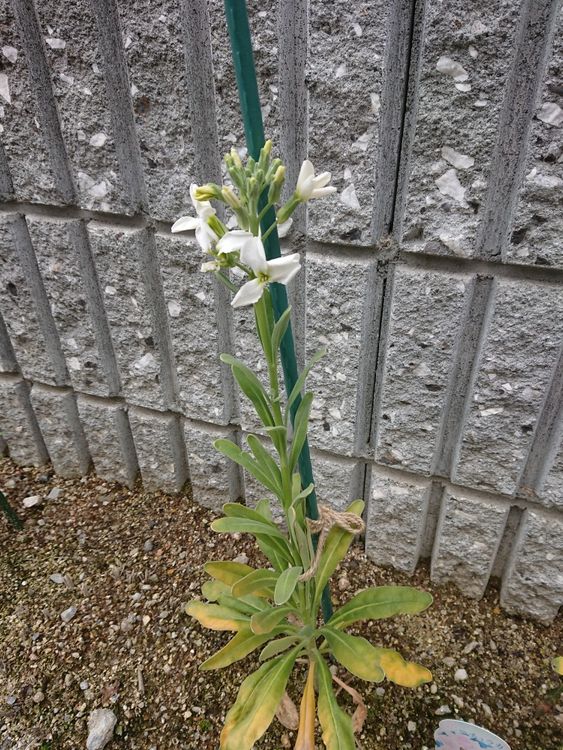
(237, 510)
(217, 591)
(257, 701)
(278, 435)
(242, 644)
(216, 617)
(232, 525)
(251, 387)
(300, 382)
(268, 619)
(259, 582)
(280, 328)
(380, 602)
(227, 571)
(276, 647)
(286, 584)
(274, 546)
(276, 550)
(265, 460)
(336, 724)
(212, 590)
(335, 549)
(300, 425)
(263, 508)
(356, 654)
(232, 451)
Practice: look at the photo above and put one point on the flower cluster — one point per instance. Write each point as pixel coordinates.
(256, 189)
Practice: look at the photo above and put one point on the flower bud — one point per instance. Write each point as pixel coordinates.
(208, 192)
(265, 152)
(236, 158)
(276, 185)
(230, 197)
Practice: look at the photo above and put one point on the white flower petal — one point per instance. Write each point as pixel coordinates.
(321, 180)
(204, 209)
(320, 192)
(306, 172)
(252, 254)
(185, 224)
(248, 294)
(233, 240)
(284, 228)
(284, 269)
(205, 236)
(210, 265)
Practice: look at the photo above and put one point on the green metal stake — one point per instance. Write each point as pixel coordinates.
(243, 59)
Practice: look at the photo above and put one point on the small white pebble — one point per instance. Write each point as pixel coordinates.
(443, 710)
(31, 501)
(10, 53)
(68, 614)
(411, 726)
(433, 688)
(55, 43)
(460, 675)
(98, 140)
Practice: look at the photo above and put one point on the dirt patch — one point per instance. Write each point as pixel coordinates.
(129, 560)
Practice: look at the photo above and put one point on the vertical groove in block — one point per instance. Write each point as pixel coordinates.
(78, 236)
(210, 471)
(463, 372)
(431, 518)
(161, 450)
(119, 100)
(189, 300)
(109, 439)
(533, 583)
(513, 521)
(547, 436)
(47, 113)
(36, 287)
(19, 311)
(62, 431)
(207, 161)
(118, 257)
(424, 324)
(6, 184)
(18, 424)
(467, 540)
(8, 362)
(397, 124)
(533, 38)
(516, 364)
(395, 517)
(58, 259)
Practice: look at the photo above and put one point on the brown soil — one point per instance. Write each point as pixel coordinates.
(131, 559)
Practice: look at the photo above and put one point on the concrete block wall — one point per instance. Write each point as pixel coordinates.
(434, 278)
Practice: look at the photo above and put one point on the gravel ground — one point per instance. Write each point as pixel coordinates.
(129, 560)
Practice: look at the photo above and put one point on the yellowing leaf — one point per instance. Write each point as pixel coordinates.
(216, 617)
(306, 734)
(212, 590)
(380, 602)
(265, 621)
(227, 571)
(335, 723)
(257, 700)
(242, 644)
(557, 664)
(257, 582)
(405, 673)
(356, 654)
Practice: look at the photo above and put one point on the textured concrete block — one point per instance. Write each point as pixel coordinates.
(61, 429)
(161, 451)
(335, 292)
(154, 56)
(516, 365)
(19, 310)
(117, 258)
(59, 265)
(533, 581)
(467, 53)
(344, 80)
(189, 299)
(332, 481)
(552, 492)
(425, 317)
(211, 474)
(20, 128)
(109, 439)
(467, 540)
(82, 104)
(395, 521)
(18, 424)
(538, 223)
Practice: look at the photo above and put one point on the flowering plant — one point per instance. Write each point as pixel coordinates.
(277, 608)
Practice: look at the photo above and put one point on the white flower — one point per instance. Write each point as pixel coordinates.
(281, 270)
(232, 241)
(284, 228)
(309, 186)
(205, 236)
